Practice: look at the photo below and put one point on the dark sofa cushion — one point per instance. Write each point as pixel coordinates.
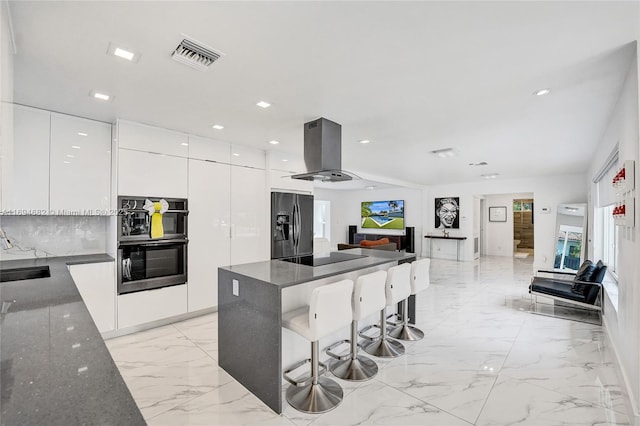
(602, 270)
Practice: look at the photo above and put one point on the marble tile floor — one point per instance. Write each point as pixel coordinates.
(485, 360)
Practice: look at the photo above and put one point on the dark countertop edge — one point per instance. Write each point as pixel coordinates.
(384, 257)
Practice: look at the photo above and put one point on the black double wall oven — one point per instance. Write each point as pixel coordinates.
(146, 263)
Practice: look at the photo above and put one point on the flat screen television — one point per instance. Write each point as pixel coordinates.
(383, 214)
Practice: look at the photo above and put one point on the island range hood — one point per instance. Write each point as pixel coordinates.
(323, 152)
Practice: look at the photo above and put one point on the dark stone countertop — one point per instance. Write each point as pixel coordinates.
(56, 368)
(285, 274)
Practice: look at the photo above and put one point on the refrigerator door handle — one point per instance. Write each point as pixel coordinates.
(294, 232)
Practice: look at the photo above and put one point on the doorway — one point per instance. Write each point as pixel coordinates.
(523, 227)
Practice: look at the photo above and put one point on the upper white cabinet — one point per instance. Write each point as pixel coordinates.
(152, 139)
(209, 149)
(247, 156)
(26, 158)
(80, 164)
(55, 164)
(147, 174)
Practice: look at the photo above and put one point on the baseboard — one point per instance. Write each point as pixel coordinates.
(632, 409)
(159, 323)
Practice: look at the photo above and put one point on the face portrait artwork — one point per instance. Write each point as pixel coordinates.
(447, 213)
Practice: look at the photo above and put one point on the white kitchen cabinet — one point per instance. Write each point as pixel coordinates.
(147, 306)
(209, 230)
(209, 149)
(142, 137)
(249, 215)
(248, 156)
(80, 165)
(25, 185)
(96, 283)
(149, 174)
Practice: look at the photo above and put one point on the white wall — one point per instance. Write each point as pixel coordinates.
(345, 210)
(547, 192)
(499, 235)
(623, 325)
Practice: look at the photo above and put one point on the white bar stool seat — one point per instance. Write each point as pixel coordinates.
(329, 310)
(397, 288)
(419, 281)
(368, 298)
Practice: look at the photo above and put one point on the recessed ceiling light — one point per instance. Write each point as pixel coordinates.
(444, 153)
(82, 134)
(67, 162)
(285, 160)
(184, 144)
(263, 104)
(122, 52)
(217, 127)
(75, 147)
(100, 96)
(542, 92)
(70, 156)
(365, 141)
(235, 154)
(490, 176)
(370, 187)
(274, 142)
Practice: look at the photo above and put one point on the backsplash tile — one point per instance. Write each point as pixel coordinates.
(48, 236)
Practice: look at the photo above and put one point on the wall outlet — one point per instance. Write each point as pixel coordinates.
(236, 288)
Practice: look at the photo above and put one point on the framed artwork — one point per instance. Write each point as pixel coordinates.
(447, 213)
(498, 214)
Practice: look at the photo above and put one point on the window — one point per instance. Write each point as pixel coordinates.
(605, 232)
(609, 242)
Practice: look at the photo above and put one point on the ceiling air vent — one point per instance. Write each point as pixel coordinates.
(195, 54)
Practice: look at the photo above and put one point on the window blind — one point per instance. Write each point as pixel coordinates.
(606, 194)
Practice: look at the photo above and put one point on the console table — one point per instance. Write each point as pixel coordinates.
(458, 240)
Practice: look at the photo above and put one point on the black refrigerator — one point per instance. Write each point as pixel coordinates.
(291, 224)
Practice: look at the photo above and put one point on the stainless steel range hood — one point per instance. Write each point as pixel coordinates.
(323, 152)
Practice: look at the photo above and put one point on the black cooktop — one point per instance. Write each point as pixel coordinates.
(322, 259)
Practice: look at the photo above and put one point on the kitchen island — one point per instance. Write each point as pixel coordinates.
(56, 368)
(251, 300)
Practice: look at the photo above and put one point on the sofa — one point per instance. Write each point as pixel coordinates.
(380, 244)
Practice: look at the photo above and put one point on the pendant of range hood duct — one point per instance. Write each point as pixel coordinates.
(323, 152)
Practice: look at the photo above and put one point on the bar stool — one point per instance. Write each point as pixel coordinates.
(329, 310)
(419, 281)
(368, 298)
(397, 288)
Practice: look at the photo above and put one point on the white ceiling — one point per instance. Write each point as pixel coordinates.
(410, 76)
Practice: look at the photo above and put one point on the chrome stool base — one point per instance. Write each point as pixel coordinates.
(384, 348)
(315, 398)
(359, 369)
(406, 332)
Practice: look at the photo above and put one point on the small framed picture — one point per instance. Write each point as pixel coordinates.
(498, 214)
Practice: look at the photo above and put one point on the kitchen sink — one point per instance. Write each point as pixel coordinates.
(28, 273)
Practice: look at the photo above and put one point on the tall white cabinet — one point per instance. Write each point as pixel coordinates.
(227, 214)
(209, 230)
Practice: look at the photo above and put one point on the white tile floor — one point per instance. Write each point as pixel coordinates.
(485, 360)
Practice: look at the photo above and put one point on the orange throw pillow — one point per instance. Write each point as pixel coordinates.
(367, 243)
